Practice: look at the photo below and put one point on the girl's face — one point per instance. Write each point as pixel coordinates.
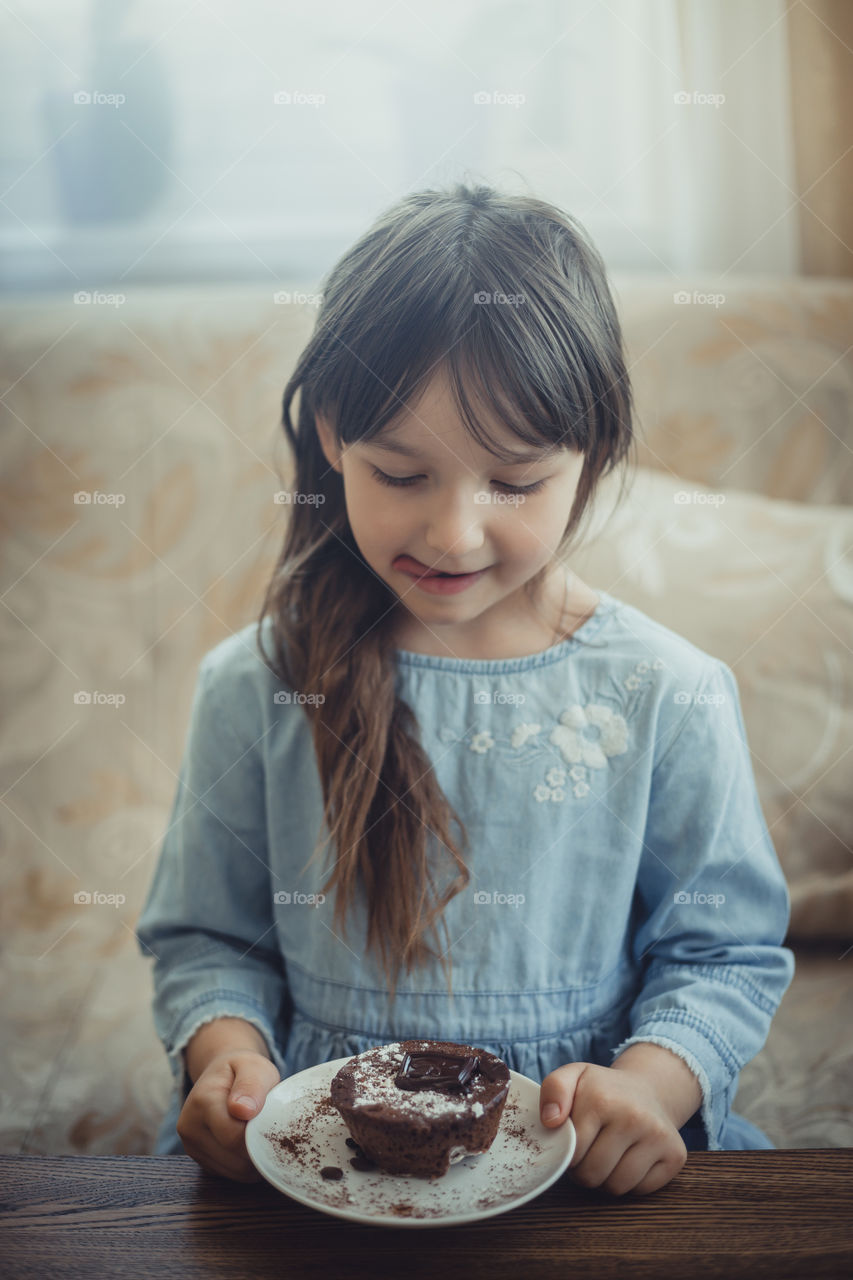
(456, 509)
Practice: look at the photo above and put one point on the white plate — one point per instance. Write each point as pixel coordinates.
(523, 1160)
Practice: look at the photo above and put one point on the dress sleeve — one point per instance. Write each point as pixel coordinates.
(711, 906)
(208, 919)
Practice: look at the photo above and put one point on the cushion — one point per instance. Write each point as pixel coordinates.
(744, 382)
(767, 587)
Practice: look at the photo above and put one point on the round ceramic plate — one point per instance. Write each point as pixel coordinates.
(298, 1133)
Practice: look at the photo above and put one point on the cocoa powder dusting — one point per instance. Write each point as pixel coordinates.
(297, 1146)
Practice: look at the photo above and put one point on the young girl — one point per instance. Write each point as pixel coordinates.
(536, 804)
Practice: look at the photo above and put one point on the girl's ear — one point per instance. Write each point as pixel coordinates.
(328, 443)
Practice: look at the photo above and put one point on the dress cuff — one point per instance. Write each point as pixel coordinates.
(690, 1044)
(219, 1005)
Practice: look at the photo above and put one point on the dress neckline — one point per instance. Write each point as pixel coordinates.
(495, 666)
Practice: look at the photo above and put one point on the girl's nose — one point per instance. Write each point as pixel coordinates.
(456, 528)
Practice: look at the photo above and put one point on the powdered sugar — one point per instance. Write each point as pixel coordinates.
(374, 1074)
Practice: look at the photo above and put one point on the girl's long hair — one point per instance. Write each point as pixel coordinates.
(508, 296)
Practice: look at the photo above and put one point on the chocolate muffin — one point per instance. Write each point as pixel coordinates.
(416, 1106)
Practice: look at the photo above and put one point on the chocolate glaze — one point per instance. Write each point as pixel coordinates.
(436, 1069)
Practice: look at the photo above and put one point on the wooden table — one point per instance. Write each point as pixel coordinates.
(728, 1214)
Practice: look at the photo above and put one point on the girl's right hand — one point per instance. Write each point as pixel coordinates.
(212, 1122)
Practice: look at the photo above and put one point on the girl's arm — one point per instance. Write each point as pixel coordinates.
(223, 1035)
(208, 918)
(670, 1077)
(715, 904)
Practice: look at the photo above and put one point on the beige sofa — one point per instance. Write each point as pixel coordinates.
(737, 533)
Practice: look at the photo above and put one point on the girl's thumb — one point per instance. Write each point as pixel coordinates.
(246, 1097)
(252, 1082)
(557, 1092)
(242, 1101)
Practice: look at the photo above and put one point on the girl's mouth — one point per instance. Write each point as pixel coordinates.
(409, 565)
(436, 582)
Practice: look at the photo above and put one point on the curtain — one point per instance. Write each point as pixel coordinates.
(820, 41)
(209, 139)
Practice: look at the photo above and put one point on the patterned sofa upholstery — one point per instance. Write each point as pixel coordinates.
(164, 408)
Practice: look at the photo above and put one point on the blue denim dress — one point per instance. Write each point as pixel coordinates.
(624, 886)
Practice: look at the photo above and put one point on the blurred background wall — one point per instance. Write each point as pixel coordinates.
(179, 140)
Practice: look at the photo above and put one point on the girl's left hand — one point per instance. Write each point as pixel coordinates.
(626, 1138)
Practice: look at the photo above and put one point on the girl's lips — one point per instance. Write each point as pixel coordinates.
(409, 565)
(436, 583)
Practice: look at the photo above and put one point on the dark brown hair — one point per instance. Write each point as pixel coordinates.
(405, 299)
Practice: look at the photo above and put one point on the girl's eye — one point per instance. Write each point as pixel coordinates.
(405, 481)
(394, 480)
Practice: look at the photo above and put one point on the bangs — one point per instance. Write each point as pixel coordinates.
(503, 362)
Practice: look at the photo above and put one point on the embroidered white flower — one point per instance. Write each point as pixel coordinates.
(634, 681)
(557, 793)
(541, 792)
(572, 738)
(555, 777)
(577, 773)
(524, 731)
(481, 742)
(581, 789)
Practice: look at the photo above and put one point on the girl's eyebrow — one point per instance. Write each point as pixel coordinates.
(397, 446)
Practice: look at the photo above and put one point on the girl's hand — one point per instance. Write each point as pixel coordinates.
(626, 1138)
(212, 1122)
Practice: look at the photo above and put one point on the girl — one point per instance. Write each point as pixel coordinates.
(537, 806)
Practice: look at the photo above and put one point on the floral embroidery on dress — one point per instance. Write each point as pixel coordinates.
(586, 738)
(524, 731)
(634, 680)
(574, 744)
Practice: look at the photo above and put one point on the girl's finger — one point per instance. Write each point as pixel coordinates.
(658, 1176)
(587, 1128)
(212, 1161)
(228, 1132)
(602, 1157)
(636, 1164)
